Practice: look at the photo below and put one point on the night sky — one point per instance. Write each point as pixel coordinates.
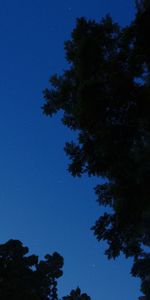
(40, 203)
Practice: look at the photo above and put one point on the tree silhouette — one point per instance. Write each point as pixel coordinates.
(24, 277)
(77, 295)
(104, 96)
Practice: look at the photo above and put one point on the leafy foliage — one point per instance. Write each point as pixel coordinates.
(104, 96)
(77, 295)
(25, 277)
(141, 269)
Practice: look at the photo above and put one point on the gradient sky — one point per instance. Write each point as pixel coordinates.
(40, 203)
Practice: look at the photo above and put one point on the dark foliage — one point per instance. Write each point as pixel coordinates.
(105, 97)
(141, 269)
(77, 295)
(24, 277)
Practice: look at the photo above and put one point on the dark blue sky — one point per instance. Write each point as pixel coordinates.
(40, 203)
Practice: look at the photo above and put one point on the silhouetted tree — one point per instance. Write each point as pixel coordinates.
(24, 277)
(141, 269)
(77, 295)
(105, 97)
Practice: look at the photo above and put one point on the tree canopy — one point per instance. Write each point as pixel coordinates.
(105, 97)
(25, 277)
(77, 295)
